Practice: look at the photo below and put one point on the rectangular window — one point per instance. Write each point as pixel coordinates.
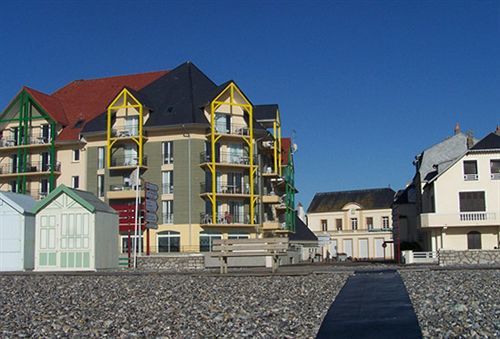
(385, 222)
(13, 186)
(168, 211)
(472, 202)
(168, 182)
(354, 223)
(45, 136)
(168, 152)
(470, 170)
(338, 223)
(324, 225)
(369, 223)
(44, 188)
(75, 181)
(495, 169)
(100, 186)
(76, 155)
(100, 157)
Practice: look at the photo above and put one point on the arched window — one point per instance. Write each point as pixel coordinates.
(168, 241)
(206, 240)
(474, 240)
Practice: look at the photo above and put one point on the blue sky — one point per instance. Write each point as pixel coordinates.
(366, 85)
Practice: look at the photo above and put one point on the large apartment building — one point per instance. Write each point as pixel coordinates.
(356, 223)
(220, 162)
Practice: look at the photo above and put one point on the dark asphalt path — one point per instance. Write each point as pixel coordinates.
(372, 304)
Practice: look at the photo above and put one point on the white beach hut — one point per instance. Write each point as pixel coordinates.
(17, 231)
(75, 231)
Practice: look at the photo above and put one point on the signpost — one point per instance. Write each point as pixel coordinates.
(151, 205)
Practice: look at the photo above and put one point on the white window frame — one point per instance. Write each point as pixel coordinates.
(167, 212)
(169, 235)
(354, 224)
(74, 157)
(386, 222)
(167, 151)
(75, 179)
(167, 180)
(101, 158)
(100, 186)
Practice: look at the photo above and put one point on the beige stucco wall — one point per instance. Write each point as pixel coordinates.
(71, 168)
(337, 237)
(455, 238)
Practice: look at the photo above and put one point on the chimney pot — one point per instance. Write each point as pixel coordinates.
(457, 128)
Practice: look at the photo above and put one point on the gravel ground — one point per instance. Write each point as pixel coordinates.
(456, 303)
(166, 305)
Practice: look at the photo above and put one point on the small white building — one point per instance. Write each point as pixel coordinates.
(17, 231)
(75, 231)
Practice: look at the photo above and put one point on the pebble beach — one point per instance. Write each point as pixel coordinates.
(448, 304)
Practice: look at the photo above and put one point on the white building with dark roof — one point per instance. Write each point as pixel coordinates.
(460, 203)
(356, 223)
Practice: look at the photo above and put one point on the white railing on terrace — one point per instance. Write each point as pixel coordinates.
(477, 216)
(425, 257)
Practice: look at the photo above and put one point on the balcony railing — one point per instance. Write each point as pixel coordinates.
(125, 131)
(379, 229)
(224, 188)
(458, 219)
(234, 129)
(226, 158)
(31, 167)
(123, 187)
(34, 138)
(38, 194)
(477, 216)
(127, 161)
(224, 218)
(167, 189)
(168, 218)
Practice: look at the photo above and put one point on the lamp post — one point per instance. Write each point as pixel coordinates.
(136, 217)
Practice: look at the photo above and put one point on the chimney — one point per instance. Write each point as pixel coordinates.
(300, 212)
(457, 128)
(470, 140)
(497, 131)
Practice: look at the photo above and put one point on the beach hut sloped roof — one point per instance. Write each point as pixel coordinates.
(88, 200)
(22, 203)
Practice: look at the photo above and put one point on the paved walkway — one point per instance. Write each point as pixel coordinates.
(372, 304)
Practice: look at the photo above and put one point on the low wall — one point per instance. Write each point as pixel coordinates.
(172, 262)
(469, 257)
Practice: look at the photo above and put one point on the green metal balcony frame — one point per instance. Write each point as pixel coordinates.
(24, 117)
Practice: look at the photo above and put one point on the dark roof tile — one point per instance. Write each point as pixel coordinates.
(369, 199)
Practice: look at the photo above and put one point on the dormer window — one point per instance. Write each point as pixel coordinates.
(470, 170)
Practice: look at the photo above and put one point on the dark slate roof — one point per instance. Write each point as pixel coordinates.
(175, 98)
(405, 196)
(302, 232)
(491, 141)
(178, 97)
(369, 199)
(265, 112)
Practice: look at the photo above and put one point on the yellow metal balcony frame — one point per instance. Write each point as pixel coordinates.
(129, 101)
(247, 106)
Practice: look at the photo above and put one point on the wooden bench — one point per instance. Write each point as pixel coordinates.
(267, 247)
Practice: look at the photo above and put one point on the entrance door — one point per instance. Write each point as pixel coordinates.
(11, 244)
(363, 248)
(474, 240)
(379, 250)
(348, 247)
(47, 242)
(333, 248)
